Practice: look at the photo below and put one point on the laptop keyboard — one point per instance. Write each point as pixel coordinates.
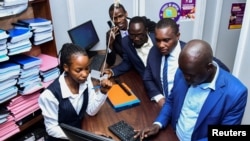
(97, 61)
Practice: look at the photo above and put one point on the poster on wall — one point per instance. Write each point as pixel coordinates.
(183, 10)
(187, 10)
(170, 10)
(236, 16)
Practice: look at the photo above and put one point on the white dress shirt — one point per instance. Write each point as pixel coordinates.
(49, 104)
(124, 33)
(144, 50)
(194, 100)
(172, 67)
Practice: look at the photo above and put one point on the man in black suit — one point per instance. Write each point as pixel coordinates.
(114, 36)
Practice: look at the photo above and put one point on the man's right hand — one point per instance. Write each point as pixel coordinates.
(149, 131)
(161, 102)
(108, 72)
(110, 36)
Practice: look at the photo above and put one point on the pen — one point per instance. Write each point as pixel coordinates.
(128, 92)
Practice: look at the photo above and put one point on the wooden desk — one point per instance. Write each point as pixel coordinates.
(139, 117)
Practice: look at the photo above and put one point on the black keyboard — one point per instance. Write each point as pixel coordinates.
(97, 61)
(123, 131)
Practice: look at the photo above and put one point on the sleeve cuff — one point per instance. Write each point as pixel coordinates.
(109, 50)
(157, 97)
(158, 123)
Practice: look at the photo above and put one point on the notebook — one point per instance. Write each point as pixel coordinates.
(120, 100)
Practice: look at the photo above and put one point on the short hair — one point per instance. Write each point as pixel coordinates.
(67, 50)
(138, 19)
(113, 6)
(168, 22)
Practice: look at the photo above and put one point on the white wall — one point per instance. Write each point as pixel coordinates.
(82, 11)
(223, 41)
(61, 22)
(152, 9)
(227, 39)
(242, 63)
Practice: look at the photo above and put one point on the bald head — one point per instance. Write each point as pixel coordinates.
(195, 61)
(197, 51)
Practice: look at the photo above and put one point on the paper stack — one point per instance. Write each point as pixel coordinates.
(19, 40)
(12, 7)
(23, 105)
(41, 28)
(48, 71)
(22, 108)
(9, 73)
(10, 128)
(3, 46)
(29, 80)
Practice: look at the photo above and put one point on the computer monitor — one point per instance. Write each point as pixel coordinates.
(84, 35)
(76, 134)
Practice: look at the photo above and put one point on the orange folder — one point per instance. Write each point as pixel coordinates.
(120, 100)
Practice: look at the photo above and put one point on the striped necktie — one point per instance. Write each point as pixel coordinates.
(165, 76)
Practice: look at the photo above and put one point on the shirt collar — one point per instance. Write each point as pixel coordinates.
(176, 51)
(66, 93)
(124, 33)
(148, 43)
(211, 85)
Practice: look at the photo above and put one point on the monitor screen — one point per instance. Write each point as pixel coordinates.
(84, 35)
(76, 134)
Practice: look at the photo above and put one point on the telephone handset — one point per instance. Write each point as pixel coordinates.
(110, 24)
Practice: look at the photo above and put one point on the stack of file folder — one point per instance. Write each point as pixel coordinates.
(48, 71)
(8, 128)
(29, 80)
(22, 106)
(12, 7)
(9, 73)
(19, 40)
(3, 46)
(41, 28)
(121, 100)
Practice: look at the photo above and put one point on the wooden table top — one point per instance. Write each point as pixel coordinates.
(138, 117)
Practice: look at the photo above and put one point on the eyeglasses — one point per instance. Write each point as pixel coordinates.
(140, 35)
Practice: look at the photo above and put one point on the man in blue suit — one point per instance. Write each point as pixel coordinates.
(203, 94)
(168, 46)
(135, 47)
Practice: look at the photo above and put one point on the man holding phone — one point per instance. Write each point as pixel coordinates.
(118, 30)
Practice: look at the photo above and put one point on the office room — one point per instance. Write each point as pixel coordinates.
(210, 22)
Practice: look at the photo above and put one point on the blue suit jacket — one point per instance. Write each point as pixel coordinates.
(152, 74)
(224, 106)
(130, 57)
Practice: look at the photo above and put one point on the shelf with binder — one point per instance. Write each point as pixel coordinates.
(36, 8)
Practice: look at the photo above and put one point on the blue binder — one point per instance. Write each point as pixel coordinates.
(26, 61)
(8, 66)
(19, 34)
